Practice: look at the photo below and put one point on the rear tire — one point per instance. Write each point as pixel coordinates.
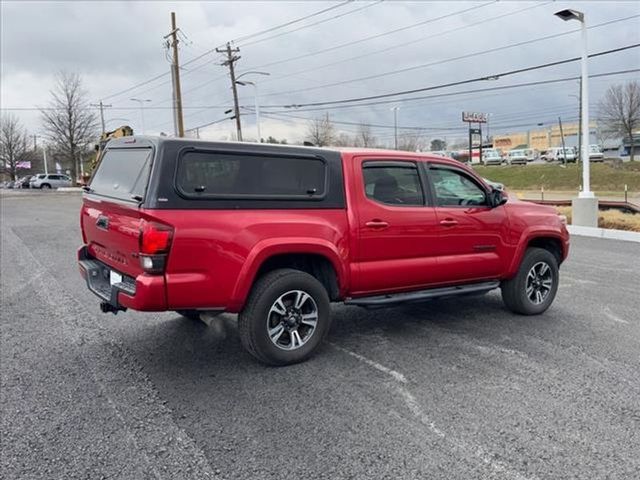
(286, 317)
(45, 185)
(534, 287)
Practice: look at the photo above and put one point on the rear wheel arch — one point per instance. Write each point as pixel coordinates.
(320, 260)
(316, 265)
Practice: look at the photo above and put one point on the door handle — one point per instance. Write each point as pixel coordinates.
(377, 224)
(448, 222)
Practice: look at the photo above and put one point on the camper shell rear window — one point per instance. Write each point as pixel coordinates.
(123, 174)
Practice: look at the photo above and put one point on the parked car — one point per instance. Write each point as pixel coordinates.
(518, 156)
(275, 233)
(559, 154)
(595, 153)
(491, 156)
(51, 180)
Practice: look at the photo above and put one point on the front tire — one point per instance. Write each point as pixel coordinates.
(534, 287)
(286, 317)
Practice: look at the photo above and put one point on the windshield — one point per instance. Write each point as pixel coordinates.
(516, 153)
(594, 148)
(123, 173)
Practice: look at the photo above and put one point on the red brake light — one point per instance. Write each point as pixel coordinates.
(155, 238)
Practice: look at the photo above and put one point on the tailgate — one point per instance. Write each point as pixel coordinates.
(110, 217)
(112, 232)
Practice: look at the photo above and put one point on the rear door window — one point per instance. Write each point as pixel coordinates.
(226, 175)
(123, 173)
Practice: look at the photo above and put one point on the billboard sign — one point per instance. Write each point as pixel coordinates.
(474, 117)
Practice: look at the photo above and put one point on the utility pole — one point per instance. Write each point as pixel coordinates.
(102, 106)
(175, 77)
(564, 151)
(229, 62)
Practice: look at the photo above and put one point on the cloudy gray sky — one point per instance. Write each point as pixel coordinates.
(357, 49)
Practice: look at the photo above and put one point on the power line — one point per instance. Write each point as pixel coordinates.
(220, 120)
(460, 82)
(314, 24)
(162, 75)
(427, 97)
(372, 37)
(440, 62)
(421, 39)
(451, 94)
(292, 22)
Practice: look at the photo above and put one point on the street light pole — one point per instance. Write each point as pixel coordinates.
(584, 117)
(585, 207)
(395, 127)
(141, 102)
(255, 96)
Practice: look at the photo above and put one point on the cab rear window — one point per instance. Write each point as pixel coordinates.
(227, 175)
(123, 173)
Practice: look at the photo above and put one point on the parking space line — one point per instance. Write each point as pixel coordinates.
(416, 410)
(395, 375)
(612, 316)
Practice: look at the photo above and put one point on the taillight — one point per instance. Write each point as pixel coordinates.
(155, 242)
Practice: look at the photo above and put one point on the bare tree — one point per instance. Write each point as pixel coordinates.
(13, 145)
(320, 131)
(620, 110)
(364, 137)
(343, 140)
(68, 121)
(411, 142)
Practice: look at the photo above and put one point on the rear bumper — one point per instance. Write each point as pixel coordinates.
(144, 293)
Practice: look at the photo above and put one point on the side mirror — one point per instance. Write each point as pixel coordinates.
(497, 198)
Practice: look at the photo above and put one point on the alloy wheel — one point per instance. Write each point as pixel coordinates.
(539, 283)
(292, 320)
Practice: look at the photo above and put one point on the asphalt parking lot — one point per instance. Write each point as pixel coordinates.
(448, 389)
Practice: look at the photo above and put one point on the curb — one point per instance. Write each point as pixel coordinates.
(69, 189)
(605, 233)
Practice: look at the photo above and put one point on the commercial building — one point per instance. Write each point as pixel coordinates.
(543, 138)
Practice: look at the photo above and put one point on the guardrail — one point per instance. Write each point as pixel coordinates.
(620, 205)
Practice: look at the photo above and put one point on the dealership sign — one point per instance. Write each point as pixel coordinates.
(474, 117)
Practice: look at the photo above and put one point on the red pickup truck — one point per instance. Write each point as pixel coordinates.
(276, 233)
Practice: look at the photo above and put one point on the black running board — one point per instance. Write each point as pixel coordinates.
(394, 298)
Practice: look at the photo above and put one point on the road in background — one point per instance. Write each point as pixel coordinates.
(456, 388)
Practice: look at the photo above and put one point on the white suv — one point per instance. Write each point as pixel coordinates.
(52, 180)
